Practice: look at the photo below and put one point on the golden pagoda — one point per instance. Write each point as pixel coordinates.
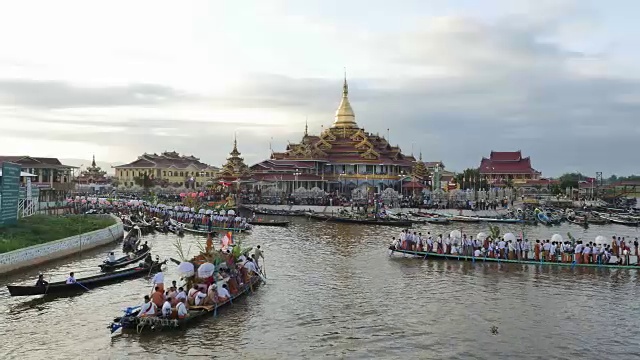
(234, 168)
(420, 171)
(341, 157)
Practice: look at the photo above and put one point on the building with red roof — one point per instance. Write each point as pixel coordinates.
(340, 158)
(503, 165)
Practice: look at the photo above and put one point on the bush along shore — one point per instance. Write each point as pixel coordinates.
(41, 229)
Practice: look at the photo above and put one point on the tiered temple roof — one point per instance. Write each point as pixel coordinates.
(420, 170)
(234, 168)
(506, 162)
(93, 174)
(345, 143)
(167, 159)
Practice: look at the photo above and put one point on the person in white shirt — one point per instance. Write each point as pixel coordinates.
(223, 293)
(552, 251)
(545, 250)
(158, 280)
(578, 252)
(181, 294)
(476, 253)
(111, 257)
(148, 308)
(181, 309)
(251, 267)
(586, 254)
(71, 279)
(526, 246)
(501, 246)
(166, 308)
(193, 292)
(454, 250)
(447, 245)
(199, 298)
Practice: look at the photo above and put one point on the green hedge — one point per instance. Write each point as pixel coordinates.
(40, 229)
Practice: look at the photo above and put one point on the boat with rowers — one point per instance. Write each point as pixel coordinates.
(435, 256)
(85, 284)
(131, 322)
(216, 279)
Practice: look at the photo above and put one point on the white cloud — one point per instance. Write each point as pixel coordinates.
(120, 78)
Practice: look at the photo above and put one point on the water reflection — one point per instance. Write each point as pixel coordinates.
(334, 291)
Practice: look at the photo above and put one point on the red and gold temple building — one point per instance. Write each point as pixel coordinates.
(341, 158)
(503, 165)
(93, 175)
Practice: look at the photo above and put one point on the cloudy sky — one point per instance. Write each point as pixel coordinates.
(455, 79)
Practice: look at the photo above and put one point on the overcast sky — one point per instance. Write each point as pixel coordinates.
(454, 79)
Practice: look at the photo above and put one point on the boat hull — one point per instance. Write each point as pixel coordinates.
(270, 223)
(133, 324)
(85, 284)
(120, 263)
(434, 256)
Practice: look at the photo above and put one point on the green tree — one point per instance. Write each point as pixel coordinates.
(570, 180)
(144, 181)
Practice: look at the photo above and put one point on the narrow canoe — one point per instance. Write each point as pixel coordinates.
(403, 223)
(123, 261)
(84, 284)
(130, 323)
(434, 256)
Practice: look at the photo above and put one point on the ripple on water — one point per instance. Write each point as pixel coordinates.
(334, 292)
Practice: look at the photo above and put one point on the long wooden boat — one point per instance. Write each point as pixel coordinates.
(130, 323)
(433, 256)
(276, 212)
(270, 223)
(329, 218)
(84, 284)
(197, 231)
(502, 221)
(124, 261)
(465, 219)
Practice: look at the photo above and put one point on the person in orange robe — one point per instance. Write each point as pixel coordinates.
(536, 251)
(614, 246)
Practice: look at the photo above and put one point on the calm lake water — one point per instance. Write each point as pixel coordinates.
(334, 291)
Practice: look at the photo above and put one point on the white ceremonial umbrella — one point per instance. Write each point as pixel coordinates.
(601, 239)
(205, 270)
(509, 237)
(201, 211)
(231, 212)
(556, 238)
(455, 234)
(208, 212)
(481, 236)
(185, 269)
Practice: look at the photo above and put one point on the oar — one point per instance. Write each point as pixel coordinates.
(86, 288)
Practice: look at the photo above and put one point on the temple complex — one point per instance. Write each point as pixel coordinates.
(501, 166)
(93, 175)
(342, 157)
(235, 168)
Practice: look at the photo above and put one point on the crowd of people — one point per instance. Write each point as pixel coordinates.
(521, 249)
(226, 281)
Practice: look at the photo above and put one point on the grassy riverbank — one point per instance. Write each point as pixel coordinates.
(40, 229)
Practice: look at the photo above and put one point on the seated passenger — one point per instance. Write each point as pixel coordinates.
(166, 309)
(148, 308)
(223, 293)
(181, 309)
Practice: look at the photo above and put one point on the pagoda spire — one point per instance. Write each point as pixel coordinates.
(306, 126)
(93, 162)
(345, 117)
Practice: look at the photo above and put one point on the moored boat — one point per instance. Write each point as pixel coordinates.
(269, 223)
(84, 284)
(329, 218)
(124, 261)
